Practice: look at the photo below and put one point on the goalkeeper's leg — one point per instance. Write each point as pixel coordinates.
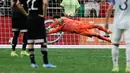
(103, 29)
(102, 37)
(91, 34)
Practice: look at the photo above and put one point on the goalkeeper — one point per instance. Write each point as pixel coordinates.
(73, 26)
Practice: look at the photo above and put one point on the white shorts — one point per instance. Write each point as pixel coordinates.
(117, 34)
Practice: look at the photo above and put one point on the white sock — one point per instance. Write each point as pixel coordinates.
(115, 52)
(128, 55)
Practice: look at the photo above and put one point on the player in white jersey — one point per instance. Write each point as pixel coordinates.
(121, 25)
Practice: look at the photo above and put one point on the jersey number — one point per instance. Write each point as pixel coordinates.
(124, 6)
(31, 4)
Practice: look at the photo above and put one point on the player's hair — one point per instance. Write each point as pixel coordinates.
(56, 16)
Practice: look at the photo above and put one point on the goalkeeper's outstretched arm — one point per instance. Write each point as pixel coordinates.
(54, 23)
(55, 30)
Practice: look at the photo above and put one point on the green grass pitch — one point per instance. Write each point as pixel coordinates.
(67, 61)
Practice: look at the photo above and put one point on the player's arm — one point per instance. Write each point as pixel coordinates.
(12, 3)
(109, 12)
(45, 3)
(18, 4)
(62, 6)
(62, 10)
(77, 7)
(76, 11)
(55, 30)
(57, 21)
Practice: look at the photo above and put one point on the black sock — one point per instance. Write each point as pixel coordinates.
(32, 56)
(24, 41)
(13, 47)
(45, 56)
(24, 46)
(14, 41)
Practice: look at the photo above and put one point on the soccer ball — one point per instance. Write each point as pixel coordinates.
(70, 14)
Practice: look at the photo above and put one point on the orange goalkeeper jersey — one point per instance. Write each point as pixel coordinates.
(72, 26)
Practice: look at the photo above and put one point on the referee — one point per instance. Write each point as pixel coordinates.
(19, 15)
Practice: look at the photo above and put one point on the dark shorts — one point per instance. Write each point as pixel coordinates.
(19, 23)
(36, 29)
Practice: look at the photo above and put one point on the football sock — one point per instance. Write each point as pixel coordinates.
(45, 56)
(24, 46)
(44, 53)
(128, 55)
(115, 52)
(32, 56)
(14, 41)
(24, 41)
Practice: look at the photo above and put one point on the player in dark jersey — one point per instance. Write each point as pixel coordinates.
(37, 31)
(19, 15)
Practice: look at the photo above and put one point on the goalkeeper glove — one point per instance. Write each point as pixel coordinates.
(48, 29)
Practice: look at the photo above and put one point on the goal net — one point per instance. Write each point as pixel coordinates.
(90, 11)
(5, 22)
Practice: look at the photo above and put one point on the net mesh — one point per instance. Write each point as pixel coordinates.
(5, 21)
(89, 11)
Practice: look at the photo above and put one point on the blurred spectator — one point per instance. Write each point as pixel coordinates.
(91, 8)
(81, 9)
(103, 8)
(70, 7)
